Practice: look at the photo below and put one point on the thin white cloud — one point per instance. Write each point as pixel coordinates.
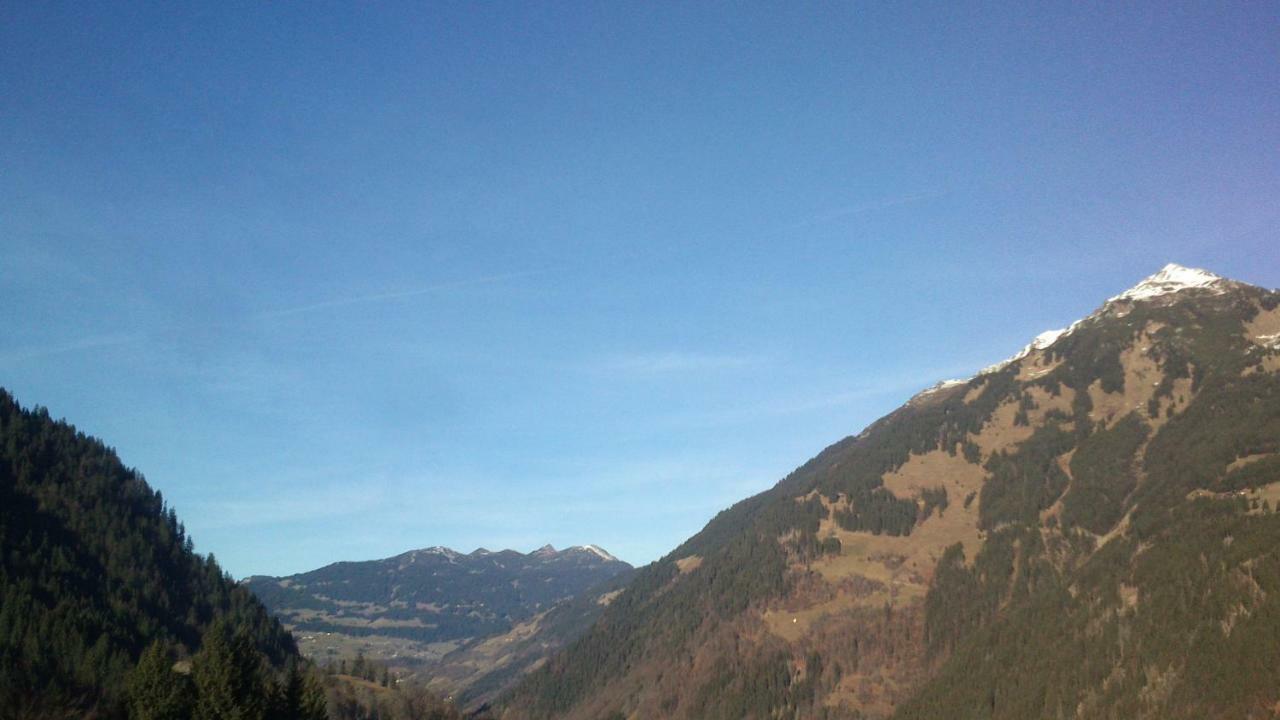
(399, 295)
(62, 348)
(677, 362)
(291, 505)
(863, 208)
(900, 387)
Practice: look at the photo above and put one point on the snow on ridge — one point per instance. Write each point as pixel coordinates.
(596, 549)
(1039, 342)
(449, 553)
(938, 387)
(1170, 279)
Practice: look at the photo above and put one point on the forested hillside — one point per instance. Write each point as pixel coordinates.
(94, 568)
(1086, 530)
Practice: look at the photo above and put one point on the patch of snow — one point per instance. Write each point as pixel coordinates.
(1269, 341)
(604, 555)
(1171, 278)
(448, 553)
(1040, 342)
(938, 387)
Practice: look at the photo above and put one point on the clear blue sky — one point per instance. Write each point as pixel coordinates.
(348, 279)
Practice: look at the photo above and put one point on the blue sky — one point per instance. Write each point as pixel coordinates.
(348, 279)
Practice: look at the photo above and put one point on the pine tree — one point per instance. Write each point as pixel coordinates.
(228, 676)
(155, 691)
(314, 706)
(286, 699)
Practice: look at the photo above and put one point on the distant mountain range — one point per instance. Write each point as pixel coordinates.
(1087, 529)
(413, 609)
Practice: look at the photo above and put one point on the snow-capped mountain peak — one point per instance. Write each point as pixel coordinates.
(597, 550)
(448, 553)
(1170, 279)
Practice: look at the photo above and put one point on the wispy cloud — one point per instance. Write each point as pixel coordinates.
(894, 388)
(36, 352)
(677, 362)
(293, 505)
(864, 208)
(397, 295)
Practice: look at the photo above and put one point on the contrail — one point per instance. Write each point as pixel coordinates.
(30, 353)
(381, 297)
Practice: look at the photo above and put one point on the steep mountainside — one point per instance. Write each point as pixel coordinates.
(1085, 530)
(93, 568)
(414, 608)
(479, 671)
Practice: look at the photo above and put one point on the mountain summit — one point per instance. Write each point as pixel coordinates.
(1170, 279)
(1173, 278)
(1087, 529)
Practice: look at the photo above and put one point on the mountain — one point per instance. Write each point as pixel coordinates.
(479, 671)
(1085, 530)
(413, 609)
(94, 567)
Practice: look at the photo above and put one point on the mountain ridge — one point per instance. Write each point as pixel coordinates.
(1170, 279)
(546, 551)
(869, 581)
(469, 623)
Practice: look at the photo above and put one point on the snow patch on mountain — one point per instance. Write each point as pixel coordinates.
(937, 387)
(1040, 342)
(1171, 278)
(597, 550)
(448, 553)
(1271, 341)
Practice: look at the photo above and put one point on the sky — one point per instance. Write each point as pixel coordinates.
(344, 280)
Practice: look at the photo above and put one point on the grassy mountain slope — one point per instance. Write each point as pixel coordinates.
(93, 567)
(1086, 531)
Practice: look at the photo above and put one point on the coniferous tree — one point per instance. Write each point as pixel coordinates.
(228, 677)
(155, 690)
(314, 705)
(95, 566)
(286, 697)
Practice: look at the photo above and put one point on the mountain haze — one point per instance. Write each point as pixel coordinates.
(414, 609)
(1087, 529)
